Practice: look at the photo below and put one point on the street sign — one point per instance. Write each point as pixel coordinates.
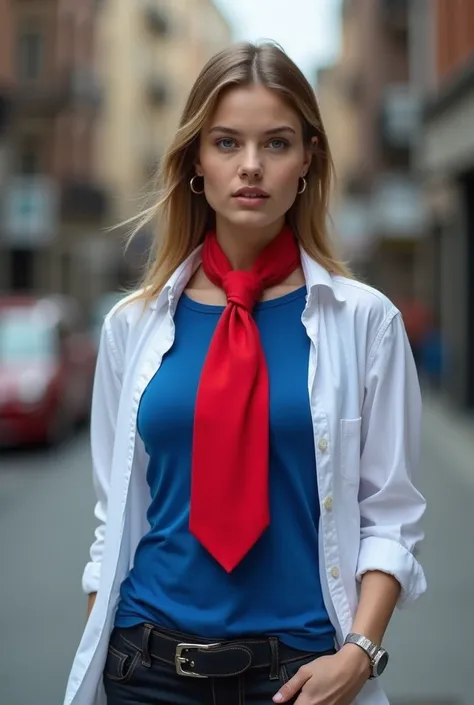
(30, 211)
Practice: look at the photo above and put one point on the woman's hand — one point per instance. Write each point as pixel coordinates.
(90, 603)
(329, 680)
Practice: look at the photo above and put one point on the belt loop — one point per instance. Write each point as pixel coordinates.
(146, 658)
(275, 664)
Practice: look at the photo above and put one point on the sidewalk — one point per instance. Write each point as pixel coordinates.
(451, 433)
(424, 670)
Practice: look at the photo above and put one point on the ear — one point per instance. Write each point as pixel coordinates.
(198, 167)
(308, 155)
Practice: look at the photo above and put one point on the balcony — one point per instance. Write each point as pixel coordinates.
(43, 98)
(400, 116)
(34, 205)
(156, 19)
(83, 201)
(48, 96)
(397, 211)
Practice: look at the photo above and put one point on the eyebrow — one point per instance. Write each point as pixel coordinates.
(231, 131)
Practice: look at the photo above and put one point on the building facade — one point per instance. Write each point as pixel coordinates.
(5, 79)
(149, 53)
(337, 90)
(378, 210)
(51, 199)
(443, 51)
(92, 91)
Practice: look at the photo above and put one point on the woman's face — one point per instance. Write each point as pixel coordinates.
(252, 156)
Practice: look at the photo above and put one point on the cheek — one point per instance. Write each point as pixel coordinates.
(215, 188)
(217, 177)
(216, 170)
(287, 176)
(284, 187)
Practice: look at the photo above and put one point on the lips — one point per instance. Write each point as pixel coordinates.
(251, 193)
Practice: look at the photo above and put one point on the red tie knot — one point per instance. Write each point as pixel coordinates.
(242, 288)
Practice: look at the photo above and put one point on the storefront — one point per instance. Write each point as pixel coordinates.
(447, 163)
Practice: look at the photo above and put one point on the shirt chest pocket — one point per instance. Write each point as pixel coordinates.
(350, 449)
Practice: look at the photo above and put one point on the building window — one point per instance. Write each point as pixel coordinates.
(29, 155)
(22, 269)
(30, 54)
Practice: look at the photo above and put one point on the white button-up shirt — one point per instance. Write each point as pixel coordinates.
(366, 409)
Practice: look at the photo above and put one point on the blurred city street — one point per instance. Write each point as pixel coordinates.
(46, 504)
(91, 95)
(46, 525)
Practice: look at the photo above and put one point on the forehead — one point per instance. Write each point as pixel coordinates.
(253, 108)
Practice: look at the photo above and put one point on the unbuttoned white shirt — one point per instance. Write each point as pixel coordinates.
(366, 412)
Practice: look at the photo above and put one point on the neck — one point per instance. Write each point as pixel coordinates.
(242, 245)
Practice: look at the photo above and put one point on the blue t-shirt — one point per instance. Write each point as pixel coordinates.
(174, 582)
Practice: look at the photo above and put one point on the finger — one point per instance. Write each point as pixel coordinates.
(294, 685)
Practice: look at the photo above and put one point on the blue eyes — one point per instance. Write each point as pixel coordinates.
(281, 144)
(227, 143)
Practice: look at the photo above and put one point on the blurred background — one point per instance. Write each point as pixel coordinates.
(90, 94)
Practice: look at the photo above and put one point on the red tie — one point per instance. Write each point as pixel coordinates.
(229, 489)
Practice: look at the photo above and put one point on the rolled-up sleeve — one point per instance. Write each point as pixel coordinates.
(105, 402)
(391, 508)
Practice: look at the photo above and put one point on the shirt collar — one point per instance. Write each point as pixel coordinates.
(315, 274)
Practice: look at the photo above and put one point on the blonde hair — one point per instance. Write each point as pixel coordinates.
(183, 218)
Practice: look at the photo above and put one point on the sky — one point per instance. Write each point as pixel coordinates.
(306, 29)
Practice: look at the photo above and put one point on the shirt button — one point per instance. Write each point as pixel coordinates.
(328, 503)
(335, 572)
(323, 445)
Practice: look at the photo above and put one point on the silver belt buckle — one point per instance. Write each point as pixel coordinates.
(180, 660)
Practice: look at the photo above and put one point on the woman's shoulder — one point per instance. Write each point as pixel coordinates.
(358, 295)
(128, 313)
(124, 323)
(370, 309)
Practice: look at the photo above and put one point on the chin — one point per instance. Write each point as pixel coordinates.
(252, 219)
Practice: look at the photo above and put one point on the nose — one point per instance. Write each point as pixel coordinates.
(251, 165)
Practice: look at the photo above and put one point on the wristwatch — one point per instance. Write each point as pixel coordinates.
(378, 656)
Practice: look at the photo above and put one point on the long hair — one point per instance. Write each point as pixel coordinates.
(182, 217)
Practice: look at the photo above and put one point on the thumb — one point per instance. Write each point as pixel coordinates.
(293, 687)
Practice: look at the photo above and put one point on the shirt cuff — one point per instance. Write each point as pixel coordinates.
(91, 577)
(391, 557)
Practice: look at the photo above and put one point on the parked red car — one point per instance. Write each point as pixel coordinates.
(47, 362)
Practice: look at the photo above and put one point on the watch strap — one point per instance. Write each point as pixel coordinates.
(375, 653)
(365, 644)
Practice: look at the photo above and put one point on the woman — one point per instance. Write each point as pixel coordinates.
(255, 427)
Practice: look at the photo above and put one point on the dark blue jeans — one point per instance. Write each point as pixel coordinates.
(130, 680)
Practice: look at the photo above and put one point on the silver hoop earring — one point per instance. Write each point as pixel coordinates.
(303, 188)
(191, 185)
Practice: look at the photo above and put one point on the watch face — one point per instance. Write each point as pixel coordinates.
(381, 664)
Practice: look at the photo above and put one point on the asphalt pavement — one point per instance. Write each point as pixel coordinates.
(46, 525)
(46, 520)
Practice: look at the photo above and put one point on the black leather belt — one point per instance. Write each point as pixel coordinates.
(209, 659)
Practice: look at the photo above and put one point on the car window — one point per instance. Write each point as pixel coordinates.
(24, 336)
